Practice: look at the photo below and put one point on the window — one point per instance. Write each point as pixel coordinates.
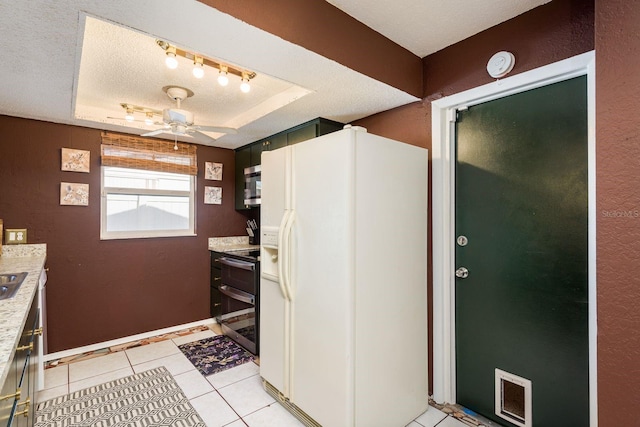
(140, 203)
(148, 188)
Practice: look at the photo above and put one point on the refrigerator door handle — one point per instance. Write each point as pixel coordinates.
(287, 267)
(282, 255)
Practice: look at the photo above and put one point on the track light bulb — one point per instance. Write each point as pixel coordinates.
(149, 120)
(223, 78)
(198, 71)
(198, 67)
(245, 87)
(129, 117)
(171, 60)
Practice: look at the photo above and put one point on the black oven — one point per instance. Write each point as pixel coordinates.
(239, 316)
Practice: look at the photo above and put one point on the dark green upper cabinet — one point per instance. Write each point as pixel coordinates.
(302, 134)
(250, 155)
(274, 142)
(243, 160)
(256, 152)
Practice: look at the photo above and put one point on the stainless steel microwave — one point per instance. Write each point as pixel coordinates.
(252, 185)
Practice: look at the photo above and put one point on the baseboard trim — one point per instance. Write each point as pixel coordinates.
(124, 340)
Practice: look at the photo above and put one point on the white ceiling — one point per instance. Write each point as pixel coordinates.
(76, 61)
(427, 26)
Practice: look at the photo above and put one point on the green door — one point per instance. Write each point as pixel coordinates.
(521, 203)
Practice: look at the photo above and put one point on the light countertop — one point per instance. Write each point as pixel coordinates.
(234, 243)
(14, 311)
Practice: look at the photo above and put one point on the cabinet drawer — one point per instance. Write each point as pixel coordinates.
(216, 277)
(216, 302)
(215, 259)
(216, 273)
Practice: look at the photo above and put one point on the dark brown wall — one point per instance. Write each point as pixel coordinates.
(102, 290)
(546, 34)
(407, 124)
(326, 30)
(618, 210)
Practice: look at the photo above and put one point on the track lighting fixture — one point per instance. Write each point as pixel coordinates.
(131, 110)
(199, 63)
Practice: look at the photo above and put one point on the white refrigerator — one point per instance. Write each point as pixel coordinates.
(343, 288)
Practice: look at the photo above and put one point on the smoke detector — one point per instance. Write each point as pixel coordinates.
(501, 64)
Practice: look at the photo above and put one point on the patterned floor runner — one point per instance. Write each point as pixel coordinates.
(215, 354)
(150, 398)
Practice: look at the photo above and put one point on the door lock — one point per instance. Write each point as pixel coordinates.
(462, 240)
(462, 273)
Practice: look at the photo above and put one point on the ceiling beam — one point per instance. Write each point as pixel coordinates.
(326, 30)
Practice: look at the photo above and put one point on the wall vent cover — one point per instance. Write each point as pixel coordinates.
(513, 398)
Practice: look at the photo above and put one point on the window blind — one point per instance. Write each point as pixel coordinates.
(129, 151)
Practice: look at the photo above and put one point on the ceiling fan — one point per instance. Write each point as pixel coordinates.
(179, 122)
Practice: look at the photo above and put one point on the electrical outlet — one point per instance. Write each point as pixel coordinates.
(15, 236)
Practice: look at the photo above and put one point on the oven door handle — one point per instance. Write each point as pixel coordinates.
(238, 263)
(237, 294)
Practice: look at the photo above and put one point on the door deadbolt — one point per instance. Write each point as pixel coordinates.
(462, 273)
(462, 240)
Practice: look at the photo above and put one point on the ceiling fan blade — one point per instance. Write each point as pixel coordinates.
(220, 129)
(199, 136)
(122, 119)
(166, 126)
(155, 132)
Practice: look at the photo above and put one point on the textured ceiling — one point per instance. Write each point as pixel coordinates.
(75, 61)
(133, 72)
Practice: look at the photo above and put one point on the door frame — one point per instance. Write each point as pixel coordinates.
(443, 188)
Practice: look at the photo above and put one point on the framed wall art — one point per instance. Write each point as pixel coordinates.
(212, 195)
(213, 171)
(74, 194)
(75, 160)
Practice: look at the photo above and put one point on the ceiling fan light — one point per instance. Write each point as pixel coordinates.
(171, 60)
(198, 68)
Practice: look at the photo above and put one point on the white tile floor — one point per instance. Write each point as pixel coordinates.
(231, 398)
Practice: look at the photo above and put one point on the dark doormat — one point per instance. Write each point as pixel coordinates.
(215, 354)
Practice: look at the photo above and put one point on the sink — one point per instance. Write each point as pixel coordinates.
(10, 283)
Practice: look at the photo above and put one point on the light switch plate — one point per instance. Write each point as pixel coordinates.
(15, 236)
